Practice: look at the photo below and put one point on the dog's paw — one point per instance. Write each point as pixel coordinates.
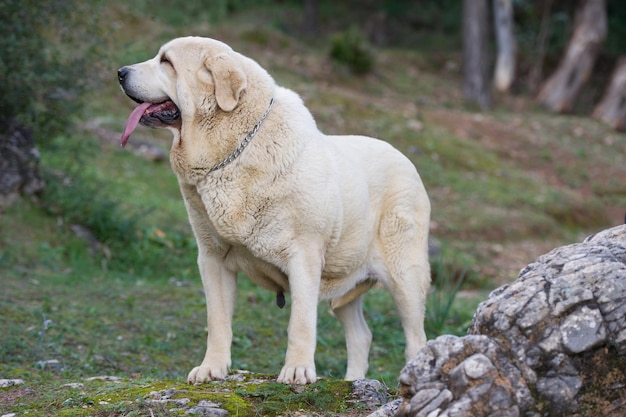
(297, 375)
(205, 373)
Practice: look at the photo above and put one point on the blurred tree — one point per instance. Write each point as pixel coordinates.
(311, 25)
(504, 73)
(536, 70)
(612, 107)
(560, 91)
(50, 52)
(476, 53)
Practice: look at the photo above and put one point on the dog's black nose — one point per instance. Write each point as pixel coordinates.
(121, 73)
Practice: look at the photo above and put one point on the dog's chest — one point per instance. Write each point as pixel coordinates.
(236, 215)
(225, 218)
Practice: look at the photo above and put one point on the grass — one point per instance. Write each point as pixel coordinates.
(75, 314)
(133, 308)
(94, 321)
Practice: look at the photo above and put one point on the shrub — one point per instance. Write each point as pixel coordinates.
(47, 48)
(77, 198)
(350, 48)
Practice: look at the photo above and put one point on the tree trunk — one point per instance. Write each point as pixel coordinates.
(505, 63)
(560, 91)
(376, 28)
(476, 53)
(536, 71)
(612, 107)
(310, 17)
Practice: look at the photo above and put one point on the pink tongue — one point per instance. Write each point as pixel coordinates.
(133, 121)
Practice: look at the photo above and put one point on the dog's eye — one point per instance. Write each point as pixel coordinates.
(164, 60)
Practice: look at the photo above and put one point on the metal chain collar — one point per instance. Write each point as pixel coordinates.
(230, 158)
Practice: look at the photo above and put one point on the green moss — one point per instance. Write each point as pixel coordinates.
(272, 398)
(250, 395)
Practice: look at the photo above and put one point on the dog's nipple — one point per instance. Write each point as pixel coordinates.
(280, 299)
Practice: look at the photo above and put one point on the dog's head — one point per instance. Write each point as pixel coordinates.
(189, 78)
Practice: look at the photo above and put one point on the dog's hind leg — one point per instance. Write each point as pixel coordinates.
(358, 336)
(404, 239)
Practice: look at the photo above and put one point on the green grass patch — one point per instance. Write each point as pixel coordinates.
(130, 304)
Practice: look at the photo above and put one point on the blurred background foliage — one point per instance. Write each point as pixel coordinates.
(51, 50)
(58, 61)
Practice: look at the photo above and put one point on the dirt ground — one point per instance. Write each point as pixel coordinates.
(524, 143)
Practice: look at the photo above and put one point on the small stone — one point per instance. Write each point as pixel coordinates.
(209, 404)
(370, 392)
(477, 365)
(53, 364)
(207, 411)
(73, 385)
(5, 383)
(107, 378)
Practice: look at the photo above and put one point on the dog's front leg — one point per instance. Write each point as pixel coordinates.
(220, 287)
(304, 283)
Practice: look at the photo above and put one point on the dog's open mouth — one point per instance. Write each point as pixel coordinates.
(150, 114)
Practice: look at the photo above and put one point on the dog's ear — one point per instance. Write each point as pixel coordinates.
(228, 78)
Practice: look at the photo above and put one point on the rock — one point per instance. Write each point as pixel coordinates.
(470, 375)
(552, 343)
(177, 398)
(50, 364)
(93, 245)
(5, 383)
(207, 409)
(73, 385)
(369, 392)
(108, 378)
(387, 410)
(19, 164)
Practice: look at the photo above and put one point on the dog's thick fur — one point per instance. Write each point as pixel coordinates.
(321, 217)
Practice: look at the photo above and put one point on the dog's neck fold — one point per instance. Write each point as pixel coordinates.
(244, 142)
(189, 150)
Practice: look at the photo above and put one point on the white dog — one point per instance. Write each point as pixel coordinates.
(321, 217)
